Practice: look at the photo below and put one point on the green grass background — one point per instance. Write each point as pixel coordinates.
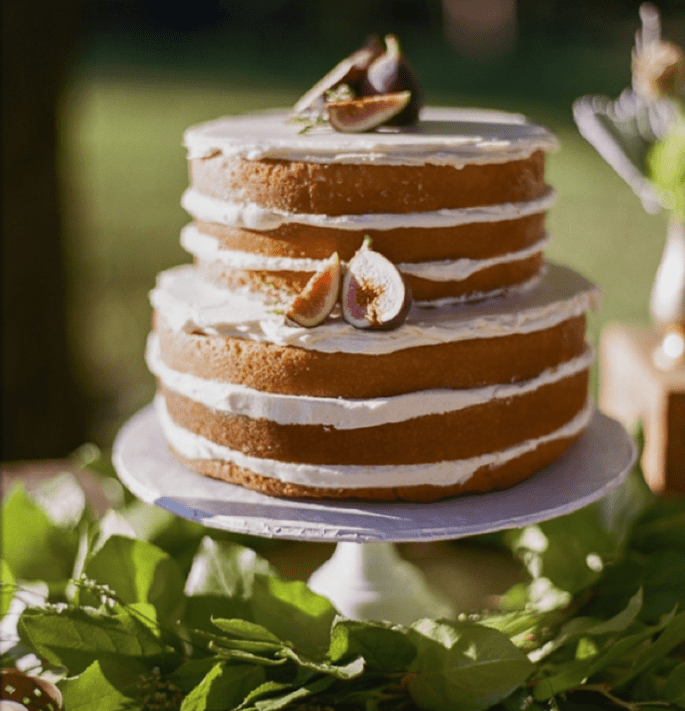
(124, 170)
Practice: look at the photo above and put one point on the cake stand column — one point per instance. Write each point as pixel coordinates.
(370, 581)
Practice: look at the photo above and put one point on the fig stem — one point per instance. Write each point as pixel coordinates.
(392, 44)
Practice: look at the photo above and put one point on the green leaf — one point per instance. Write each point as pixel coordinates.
(661, 575)
(224, 687)
(220, 582)
(73, 637)
(225, 569)
(674, 688)
(661, 526)
(565, 676)
(106, 685)
(464, 666)
(294, 614)
(139, 572)
(570, 550)
(348, 670)
(245, 630)
(383, 647)
(280, 696)
(235, 654)
(579, 627)
(7, 585)
(522, 627)
(569, 675)
(672, 635)
(34, 547)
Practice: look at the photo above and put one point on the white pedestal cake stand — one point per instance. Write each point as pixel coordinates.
(365, 578)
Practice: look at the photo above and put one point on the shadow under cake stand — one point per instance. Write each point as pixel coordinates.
(365, 578)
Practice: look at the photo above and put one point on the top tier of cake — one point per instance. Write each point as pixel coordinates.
(458, 202)
(456, 137)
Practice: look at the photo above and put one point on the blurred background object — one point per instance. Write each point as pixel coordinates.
(641, 135)
(97, 94)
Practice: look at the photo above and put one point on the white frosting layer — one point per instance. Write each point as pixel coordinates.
(340, 413)
(254, 217)
(207, 248)
(455, 137)
(189, 303)
(445, 473)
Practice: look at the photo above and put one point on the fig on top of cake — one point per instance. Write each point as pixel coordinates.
(374, 86)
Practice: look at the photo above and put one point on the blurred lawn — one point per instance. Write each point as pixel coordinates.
(125, 169)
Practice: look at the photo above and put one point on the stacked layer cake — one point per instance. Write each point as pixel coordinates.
(484, 383)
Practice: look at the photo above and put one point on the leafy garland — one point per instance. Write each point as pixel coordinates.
(142, 610)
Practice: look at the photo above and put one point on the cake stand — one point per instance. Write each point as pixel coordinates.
(365, 578)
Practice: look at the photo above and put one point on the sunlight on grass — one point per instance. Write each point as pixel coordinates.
(124, 172)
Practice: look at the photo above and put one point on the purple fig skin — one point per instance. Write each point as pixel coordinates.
(361, 298)
(391, 73)
(350, 71)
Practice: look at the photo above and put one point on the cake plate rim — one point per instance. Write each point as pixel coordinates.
(599, 461)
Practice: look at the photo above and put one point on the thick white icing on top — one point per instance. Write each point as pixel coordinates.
(455, 137)
(444, 473)
(207, 248)
(341, 413)
(189, 303)
(254, 217)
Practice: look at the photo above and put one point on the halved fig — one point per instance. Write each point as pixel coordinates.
(374, 293)
(367, 113)
(350, 71)
(314, 303)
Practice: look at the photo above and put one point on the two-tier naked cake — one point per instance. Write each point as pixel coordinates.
(484, 383)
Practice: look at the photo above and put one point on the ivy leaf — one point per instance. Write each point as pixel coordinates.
(73, 637)
(139, 572)
(294, 614)
(383, 647)
(224, 687)
(464, 666)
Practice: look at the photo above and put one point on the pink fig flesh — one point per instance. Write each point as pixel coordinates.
(313, 305)
(365, 114)
(375, 294)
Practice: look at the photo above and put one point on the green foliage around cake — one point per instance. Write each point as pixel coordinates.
(139, 609)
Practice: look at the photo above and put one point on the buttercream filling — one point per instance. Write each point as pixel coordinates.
(254, 217)
(341, 413)
(207, 248)
(443, 136)
(446, 473)
(189, 303)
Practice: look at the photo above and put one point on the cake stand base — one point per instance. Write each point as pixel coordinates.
(370, 581)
